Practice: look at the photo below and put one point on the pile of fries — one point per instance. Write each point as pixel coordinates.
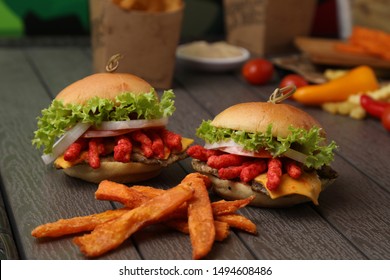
(185, 207)
(149, 5)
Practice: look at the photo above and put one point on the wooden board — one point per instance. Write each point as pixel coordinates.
(322, 51)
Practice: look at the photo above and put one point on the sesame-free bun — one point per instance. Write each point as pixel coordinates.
(114, 171)
(257, 116)
(104, 85)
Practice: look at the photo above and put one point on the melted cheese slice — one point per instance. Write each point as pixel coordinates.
(60, 162)
(308, 185)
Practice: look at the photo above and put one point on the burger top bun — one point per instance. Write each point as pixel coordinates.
(257, 116)
(104, 85)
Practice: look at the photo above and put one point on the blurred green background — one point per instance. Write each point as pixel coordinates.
(71, 17)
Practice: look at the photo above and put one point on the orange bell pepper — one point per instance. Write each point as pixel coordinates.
(359, 79)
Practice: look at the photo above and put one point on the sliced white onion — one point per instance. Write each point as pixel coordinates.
(221, 144)
(106, 133)
(295, 155)
(232, 147)
(118, 125)
(65, 141)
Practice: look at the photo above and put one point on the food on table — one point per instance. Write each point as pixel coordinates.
(110, 126)
(276, 152)
(185, 207)
(352, 106)
(293, 79)
(203, 49)
(357, 80)
(258, 71)
(385, 119)
(366, 41)
(373, 107)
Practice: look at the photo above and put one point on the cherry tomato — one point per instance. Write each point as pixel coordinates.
(258, 71)
(386, 118)
(293, 79)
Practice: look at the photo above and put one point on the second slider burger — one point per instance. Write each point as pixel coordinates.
(110, 126)
(276, 152)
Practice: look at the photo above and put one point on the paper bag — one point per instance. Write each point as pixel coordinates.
(147, 41)
(267, 27)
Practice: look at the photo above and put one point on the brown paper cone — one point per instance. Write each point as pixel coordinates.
(147, 41)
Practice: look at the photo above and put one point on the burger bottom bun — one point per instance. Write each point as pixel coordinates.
(114, 171)
(232, 190)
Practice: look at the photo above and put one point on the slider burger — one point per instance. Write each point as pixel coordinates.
(276, 152)
(110, 126)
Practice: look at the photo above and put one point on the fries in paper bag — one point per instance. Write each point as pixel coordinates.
(145, 32)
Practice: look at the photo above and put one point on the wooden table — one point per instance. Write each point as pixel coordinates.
(351, 222)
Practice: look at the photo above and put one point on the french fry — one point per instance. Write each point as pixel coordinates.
(221, 228)
(110, 235)
(149, 5)
(125, 4)
(172, 5)
(130, 197)
(226, 207)
(76, 224)
(238, 221)
(200, 217)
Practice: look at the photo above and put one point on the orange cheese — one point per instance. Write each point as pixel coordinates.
(308, 185)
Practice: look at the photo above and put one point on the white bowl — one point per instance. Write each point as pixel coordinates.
(212, 64)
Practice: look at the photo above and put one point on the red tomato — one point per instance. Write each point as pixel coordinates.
(386, 118)
(293, 79)
(258, 71)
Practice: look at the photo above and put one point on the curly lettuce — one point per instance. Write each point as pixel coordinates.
(59, 117)
(310, 143)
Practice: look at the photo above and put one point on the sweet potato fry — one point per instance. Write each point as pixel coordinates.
(76, 224)
(221, 228)
(197, 179)
(149, 192)
(110, 235)
(130, 197)
(200, 217)
(238, 221)
(227, 207)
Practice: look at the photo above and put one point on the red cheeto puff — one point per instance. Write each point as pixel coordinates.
(95, 148)
(252, 170)
(274, 173)
(122, 150)
(146, 144)
(225, 160)
(200, 153)
(74, 150)
(171, 140)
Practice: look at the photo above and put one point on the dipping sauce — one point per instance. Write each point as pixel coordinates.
(203, 49)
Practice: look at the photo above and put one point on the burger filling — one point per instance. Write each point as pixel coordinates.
(157, 146)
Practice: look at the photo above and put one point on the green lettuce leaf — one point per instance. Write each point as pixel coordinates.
(309, 142)
(59, 118)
